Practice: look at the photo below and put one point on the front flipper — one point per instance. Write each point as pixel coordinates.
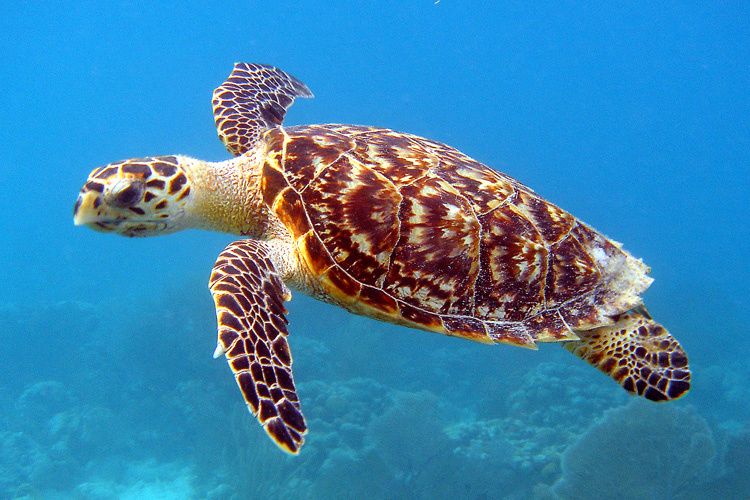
(249, 298)
(638, 353)
(254, 99)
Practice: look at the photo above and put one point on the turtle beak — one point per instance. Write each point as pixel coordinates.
(84, 211)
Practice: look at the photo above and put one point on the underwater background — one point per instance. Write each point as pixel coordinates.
(634, 116)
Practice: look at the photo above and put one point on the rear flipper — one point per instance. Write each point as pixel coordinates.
(638, 353)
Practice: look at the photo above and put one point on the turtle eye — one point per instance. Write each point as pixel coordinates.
(127, 193)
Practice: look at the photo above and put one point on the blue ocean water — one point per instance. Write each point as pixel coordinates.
(633, 116)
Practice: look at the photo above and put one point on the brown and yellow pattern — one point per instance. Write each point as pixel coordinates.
(119, 194)
(253, 99)
(249, 298)
(414, 232)
(638, 353)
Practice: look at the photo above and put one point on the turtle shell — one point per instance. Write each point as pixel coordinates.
(414, 232)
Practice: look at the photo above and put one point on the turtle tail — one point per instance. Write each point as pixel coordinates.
(638, 353)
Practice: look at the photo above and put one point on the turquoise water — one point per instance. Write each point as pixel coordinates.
(631, 116)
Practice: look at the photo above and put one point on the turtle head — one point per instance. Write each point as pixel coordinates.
(137, 197)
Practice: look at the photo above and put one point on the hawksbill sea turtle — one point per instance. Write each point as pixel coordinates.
(384, 224)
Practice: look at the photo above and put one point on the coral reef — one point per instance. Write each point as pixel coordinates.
(728, 403)
(552, 407)
(392, 415)
(639, 451)
(50, 438)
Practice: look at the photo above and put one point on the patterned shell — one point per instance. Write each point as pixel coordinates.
(414, 232)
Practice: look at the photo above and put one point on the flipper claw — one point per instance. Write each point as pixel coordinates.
(219, 351)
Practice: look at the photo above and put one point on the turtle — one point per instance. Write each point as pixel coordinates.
(385, 224)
